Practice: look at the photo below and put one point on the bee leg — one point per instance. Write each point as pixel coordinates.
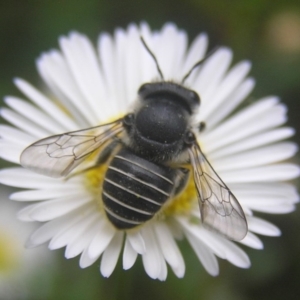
(106, 152)
(201, 126)
(183, 176)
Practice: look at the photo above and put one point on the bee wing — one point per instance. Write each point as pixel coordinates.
(58, 155)
(220, 210)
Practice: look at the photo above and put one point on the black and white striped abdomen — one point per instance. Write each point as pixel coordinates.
(135, 189)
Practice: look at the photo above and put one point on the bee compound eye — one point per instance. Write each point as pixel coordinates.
(128, 120)
(189, 138)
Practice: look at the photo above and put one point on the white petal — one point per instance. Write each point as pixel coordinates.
(230, 103)
(256, 157)
(83, 239)
(149, 70)
(235, 255)
(85, 259)
(279, 172)
(152, 256)
(24, 213)
(137, 241)
(132, 70)
(262, 227)
(23, 123)
(195, 53)
(275, 209)
(34, 114)
(169, 48)
(204, 235)
(169, 248)
(266, 195)
(219, 245)
(262, 115)
(45, 104)
(264, 201)
(120, 46)
(84, 65)
(254, 142)
(211, 73)
(22, 178)
(49, 229)
(107, 54)
(205, 255)
(230, 82)
(10, 151)
(16, 136)
(111, 255)
(176, 229)
(163, 271)
(99, 243)
(129, 255)
(262, 193)
(251, 240)
(54, 70)
(37, 195)
(68, 236)
(50, 209)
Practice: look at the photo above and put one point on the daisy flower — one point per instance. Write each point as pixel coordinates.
(88, 86)
(18, 266)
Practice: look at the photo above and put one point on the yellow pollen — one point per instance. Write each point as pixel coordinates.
(94, 181)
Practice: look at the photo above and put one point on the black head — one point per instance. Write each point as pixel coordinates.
(158, 128)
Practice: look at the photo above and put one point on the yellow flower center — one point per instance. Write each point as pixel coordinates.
(94, 181)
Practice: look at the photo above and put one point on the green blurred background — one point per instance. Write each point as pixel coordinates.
(266, 32)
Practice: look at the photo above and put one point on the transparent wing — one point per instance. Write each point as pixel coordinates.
(220, 210)
(58, 155)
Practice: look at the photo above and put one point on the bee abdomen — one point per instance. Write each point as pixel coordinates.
(134, 189)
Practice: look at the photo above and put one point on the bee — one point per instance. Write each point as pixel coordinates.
(150, 153)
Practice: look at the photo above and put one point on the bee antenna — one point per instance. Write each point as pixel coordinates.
(154, 58)
(197, 64)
